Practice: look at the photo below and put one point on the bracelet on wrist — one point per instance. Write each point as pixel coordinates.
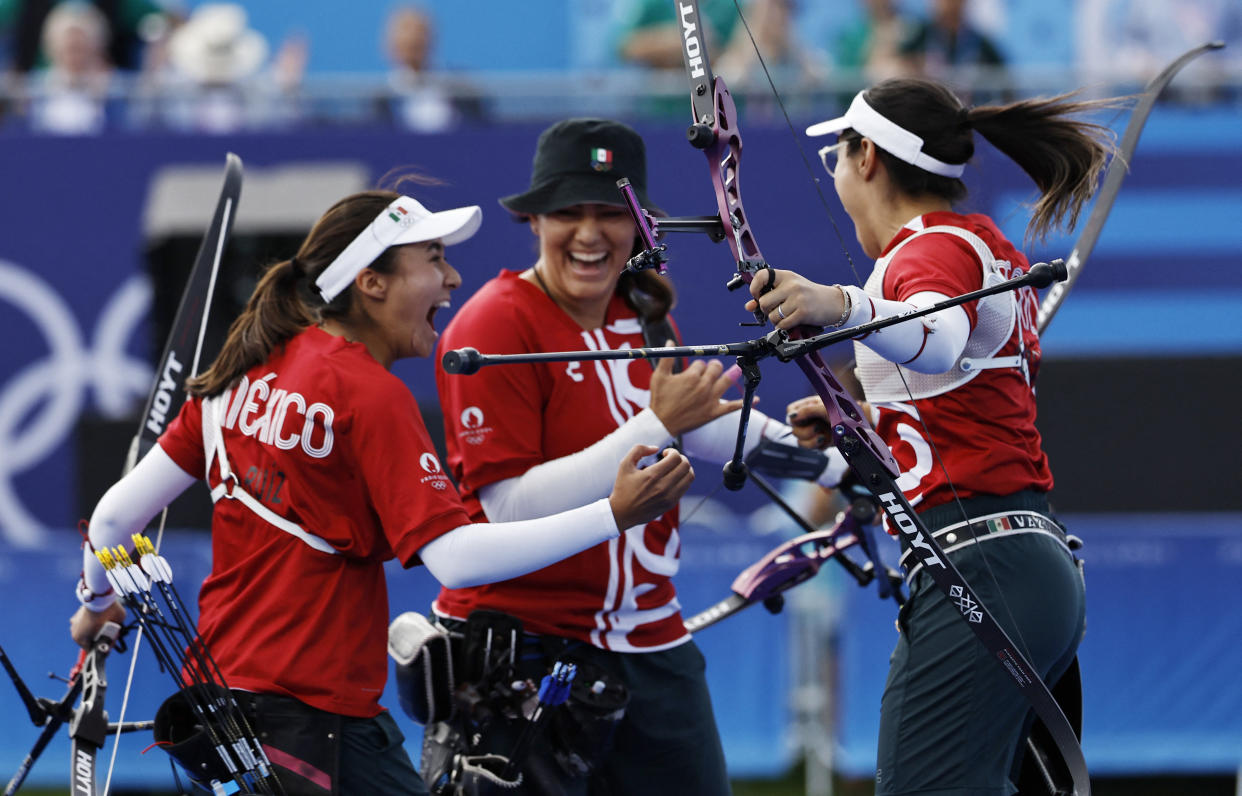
(847, 308)
(93, 599)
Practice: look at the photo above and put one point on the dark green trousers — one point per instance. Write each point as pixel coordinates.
(951, 718)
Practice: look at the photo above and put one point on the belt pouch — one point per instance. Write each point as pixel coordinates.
(424, 658)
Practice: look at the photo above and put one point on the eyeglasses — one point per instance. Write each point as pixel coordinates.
(828, 156)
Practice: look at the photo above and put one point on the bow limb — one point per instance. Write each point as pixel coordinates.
(179, 361)
(716, 132)
(1113, 177)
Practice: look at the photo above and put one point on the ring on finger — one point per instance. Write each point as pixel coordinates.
(780, 312)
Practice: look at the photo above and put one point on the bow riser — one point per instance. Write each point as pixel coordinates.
(724, 155)
(724, 152)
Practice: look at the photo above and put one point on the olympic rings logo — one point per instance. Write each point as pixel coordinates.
(51, 392)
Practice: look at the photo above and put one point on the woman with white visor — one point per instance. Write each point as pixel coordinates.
(321, 469)
(953, 396)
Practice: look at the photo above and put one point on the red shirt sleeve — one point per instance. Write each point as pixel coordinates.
(494, 418)
(938, 263)
(183, 439)
(407, 487)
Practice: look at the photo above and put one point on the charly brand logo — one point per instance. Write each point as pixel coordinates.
(435, 477)
(42, 401)
(472, 421)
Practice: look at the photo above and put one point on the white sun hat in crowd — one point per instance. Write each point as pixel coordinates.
(216, 46)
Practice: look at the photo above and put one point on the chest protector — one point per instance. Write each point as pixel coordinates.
(882, 380)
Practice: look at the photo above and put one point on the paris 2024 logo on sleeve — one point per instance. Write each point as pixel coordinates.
(473, 432)
(435, 476)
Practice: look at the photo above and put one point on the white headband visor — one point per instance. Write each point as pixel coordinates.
(887, 135)
(404, 221)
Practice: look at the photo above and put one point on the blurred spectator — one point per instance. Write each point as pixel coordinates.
(71, 94)
(131, 24)
(422, 100)
(870, 48)
(214, 79)
(1128, 42)
(946, 47)
(771, 22)
(651, 35)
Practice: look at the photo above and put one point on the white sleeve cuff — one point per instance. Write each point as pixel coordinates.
(835, 470)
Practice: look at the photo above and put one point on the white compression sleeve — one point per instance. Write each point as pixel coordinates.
(930, 344)
(572, 480)
(488, 552)
(126, 508)
(714, 442)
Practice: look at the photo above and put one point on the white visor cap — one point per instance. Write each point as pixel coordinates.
(404, 221)
(887, 135)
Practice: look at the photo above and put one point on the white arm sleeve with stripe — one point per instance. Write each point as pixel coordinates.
(931, 344)
(487, 552)
(126, 508)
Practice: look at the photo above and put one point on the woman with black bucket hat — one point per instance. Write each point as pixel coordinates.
(527, 437)
(321, 470)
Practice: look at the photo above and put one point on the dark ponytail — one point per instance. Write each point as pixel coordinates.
(1062, 154)
(273, 314)
(648, 294)
(285, 301)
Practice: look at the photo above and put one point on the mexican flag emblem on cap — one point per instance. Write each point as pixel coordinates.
(601, 159)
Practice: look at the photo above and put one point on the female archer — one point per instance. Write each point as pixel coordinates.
(295, 609)
(953, 396)
(531, 438)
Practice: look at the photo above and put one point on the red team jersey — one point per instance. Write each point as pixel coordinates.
(504, 420)
(330, 440)
(985, 429)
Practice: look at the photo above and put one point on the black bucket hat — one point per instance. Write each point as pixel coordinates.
(578, 161)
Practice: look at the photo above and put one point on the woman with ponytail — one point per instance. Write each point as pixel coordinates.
(321, 469)
(953, 395)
